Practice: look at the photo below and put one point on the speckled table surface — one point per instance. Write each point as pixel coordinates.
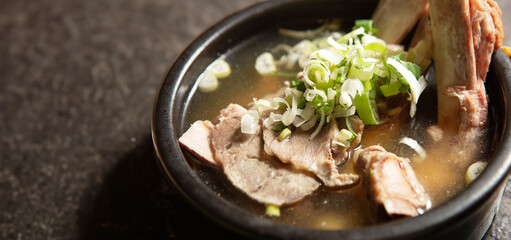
(77, 84)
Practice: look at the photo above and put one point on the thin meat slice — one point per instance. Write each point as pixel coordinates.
(393, 186)
(196, 140)
(394, 19)
(341, 153)
(310, 155)
(249, 169)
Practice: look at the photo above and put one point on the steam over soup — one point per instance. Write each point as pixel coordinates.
(327, 130)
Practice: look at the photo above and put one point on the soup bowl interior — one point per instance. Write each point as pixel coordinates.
(467, 215)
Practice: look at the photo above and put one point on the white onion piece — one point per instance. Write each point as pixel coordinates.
(273, 118)
(303, 46)
(330, 56)
(282, 47)
(250, 122)
(334, 74)
(352, 87)
(320, 126)
(291, 60)
(369, 60)
(293, 91)
(367, 39)
(276, 117)
(207, 82)
(265, 64)
(415, 146)
(330, 40)
(422, 85)
(281, 100)
(310, 94)
(308, 112)
(309, 124)
(345, 112)
(416, 88)
(360, 48)
(342, 137)
(345, 99)
(315, 65)
(302, 61)
(299, 121)
(263, 105)
(331, 94)
(220, 68)
(289, 116)
(474, 171)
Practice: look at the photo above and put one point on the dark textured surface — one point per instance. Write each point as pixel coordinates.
(77, 84)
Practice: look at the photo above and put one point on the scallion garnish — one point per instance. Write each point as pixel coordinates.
(342, 74)
(284, 134)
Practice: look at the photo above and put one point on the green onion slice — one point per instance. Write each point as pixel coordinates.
(366, 109)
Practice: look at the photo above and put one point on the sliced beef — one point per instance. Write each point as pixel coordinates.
(341, 153)
(309, 155)
(196, 140)
(393, 186)
(243, 161)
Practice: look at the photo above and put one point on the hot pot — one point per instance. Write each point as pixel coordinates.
(466, 216)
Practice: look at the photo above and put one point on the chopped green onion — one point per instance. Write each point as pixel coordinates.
(316, 72)
(302, 102)
(348, 125)
(376, 46)
(295, 83)
(351, 35)
(416, 86)
(272, 211)
(367, 24)
(361, 70)
(285, 74)
(343, 138)
(284, 134)
(330, 56)
(412, 67)
(279, 127)
(342, 74)
(366, 109)
(391, 89)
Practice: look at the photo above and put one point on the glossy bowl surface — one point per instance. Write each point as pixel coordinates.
(466, 216)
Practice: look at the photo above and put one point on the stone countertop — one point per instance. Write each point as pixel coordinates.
(77, 85)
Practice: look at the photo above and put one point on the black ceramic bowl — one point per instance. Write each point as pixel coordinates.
(466, 216)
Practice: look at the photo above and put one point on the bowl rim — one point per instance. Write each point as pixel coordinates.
(167, 151)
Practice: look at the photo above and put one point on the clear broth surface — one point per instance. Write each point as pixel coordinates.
(442, 174)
